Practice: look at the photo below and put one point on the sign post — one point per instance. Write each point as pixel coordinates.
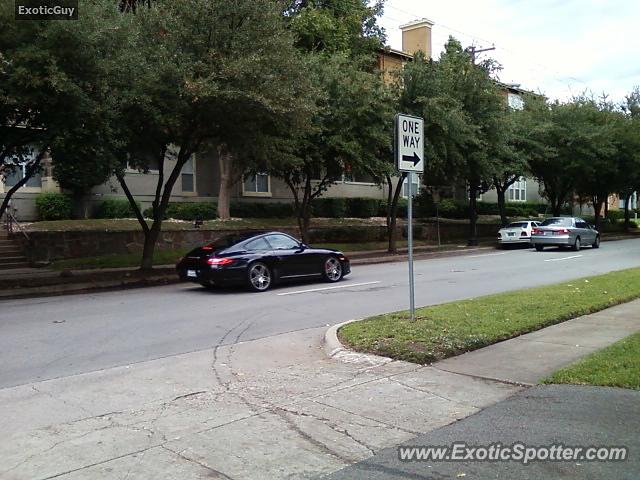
(409, 158)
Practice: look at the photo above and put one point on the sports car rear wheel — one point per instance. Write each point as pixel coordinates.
(332, 269)
(259, 277)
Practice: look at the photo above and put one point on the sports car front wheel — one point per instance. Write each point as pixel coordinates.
(332, 269)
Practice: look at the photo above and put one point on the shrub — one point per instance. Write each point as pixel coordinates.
(330, 207)
(453, 209)
(115, 208)
(192, 210)
(53, 206)
(262, 210)
(615, 215)
(187, 211)
(402, 208)
(362, 207)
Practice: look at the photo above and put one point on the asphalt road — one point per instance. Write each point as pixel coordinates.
(570, 416)
(58, 336)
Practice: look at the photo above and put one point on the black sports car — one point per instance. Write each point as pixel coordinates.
(258, 260)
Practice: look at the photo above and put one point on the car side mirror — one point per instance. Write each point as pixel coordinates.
(303, 246)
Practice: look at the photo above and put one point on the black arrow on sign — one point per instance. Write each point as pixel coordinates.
(412, 158)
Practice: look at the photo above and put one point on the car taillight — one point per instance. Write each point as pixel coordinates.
(207, 247)
(561, 232)
(219, 261)
(524, 233)
(536, 231)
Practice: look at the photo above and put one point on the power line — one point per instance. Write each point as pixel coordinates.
(558, 76)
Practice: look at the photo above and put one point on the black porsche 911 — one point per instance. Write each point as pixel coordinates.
(258, 260)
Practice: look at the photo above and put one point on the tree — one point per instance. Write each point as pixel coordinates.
(464, 113)
(522, 145)
(349, 132)
(348, 27)
(29, 98)
(190, 65)
(627, 137)
(53, 95)
(557, 171)
(265, 94)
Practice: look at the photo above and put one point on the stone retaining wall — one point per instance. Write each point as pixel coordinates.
(48, 246)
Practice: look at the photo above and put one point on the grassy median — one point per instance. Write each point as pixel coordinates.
(618, 365)
(449, 329)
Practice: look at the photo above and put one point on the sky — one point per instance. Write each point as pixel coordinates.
(560, 48)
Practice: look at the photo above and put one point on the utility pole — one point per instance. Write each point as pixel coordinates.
(474, 51)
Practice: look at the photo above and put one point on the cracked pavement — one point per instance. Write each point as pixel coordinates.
(268, 408)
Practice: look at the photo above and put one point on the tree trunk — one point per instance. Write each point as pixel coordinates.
(150, 240)
(501, 206)
(597, 209)
(304, 212)
(473, 216)
(392, 211)
(80, 205)
(627, 212)
(225, 161)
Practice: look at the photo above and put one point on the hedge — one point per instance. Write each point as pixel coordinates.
(330, 207)
(115, 208)
(54, 206)
(448, 208)
(188, 211)
(262, 210)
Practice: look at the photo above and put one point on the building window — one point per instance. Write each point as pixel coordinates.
(515, 101)
(256, 184)
(356, 177)
(188, 178)
(18, 174)
(415, 186)
(633, 202)
(517, 192)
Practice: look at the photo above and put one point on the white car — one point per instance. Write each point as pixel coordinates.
(517, 232)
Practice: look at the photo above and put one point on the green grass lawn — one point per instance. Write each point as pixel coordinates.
(449, 329)
(161, 257)
(132, 224)
(618, 365)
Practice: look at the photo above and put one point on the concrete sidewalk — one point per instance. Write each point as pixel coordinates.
(529, 358)
(271, 408)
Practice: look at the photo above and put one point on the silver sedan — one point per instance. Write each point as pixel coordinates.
(571, 232)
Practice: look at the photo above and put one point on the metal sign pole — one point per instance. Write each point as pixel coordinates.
(412, 306)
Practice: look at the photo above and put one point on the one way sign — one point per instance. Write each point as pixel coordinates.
(409, 143)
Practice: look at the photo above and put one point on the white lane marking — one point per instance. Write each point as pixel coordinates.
(327, 288)
(486, 255)
(563, 258)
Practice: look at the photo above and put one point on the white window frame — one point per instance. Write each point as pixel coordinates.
(246, 193)
(353, 182)
(192, 163)
(24, 189)
(517, 191)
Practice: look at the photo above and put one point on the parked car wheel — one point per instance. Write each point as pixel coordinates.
(259, 277)
(596, 243)
(539, 248)
(576, 245)
(332, 270)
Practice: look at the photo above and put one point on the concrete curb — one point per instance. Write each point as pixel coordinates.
(335, 350)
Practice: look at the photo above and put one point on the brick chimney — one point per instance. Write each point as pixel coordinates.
(416, 36)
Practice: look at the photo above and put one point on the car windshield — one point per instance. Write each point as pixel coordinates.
(517, 225)
(549, 222)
